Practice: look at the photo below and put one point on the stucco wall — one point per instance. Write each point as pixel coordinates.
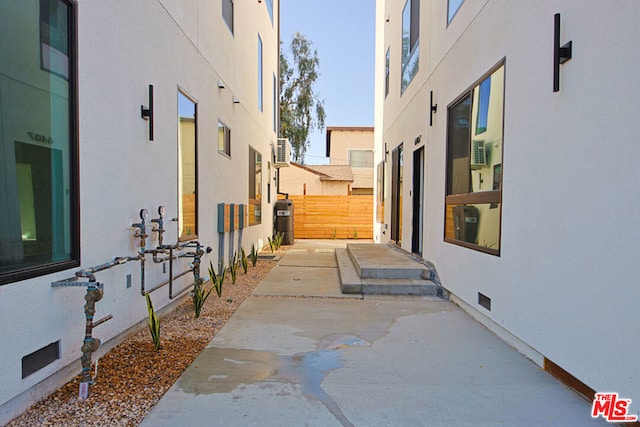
(173, 45)
(565, 281)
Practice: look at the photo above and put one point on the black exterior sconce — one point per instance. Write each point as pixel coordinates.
(561, 54)
(147, 113)
(434, 108)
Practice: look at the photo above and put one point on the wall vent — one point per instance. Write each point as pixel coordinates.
(40, 358)
(484, 301)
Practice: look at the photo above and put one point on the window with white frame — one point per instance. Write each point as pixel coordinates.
(361, 158)
(224, 139)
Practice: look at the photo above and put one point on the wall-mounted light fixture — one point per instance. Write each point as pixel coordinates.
(236, 100)
(386, 152)
(417, 140)
(561, 54)
(220, 84)
(147, 113)
(433, 108)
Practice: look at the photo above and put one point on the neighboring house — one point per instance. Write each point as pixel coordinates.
(86, 144)
(353, 146)
(516, 175)
(316, 180)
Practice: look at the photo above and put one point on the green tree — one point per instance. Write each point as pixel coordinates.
(301, 109)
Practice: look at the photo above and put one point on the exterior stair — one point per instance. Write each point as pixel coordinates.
(382, 269)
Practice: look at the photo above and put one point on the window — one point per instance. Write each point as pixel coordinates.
(452, 9)
(410, 42)
(224, 139)
(386, 73)
(275, 103)
(270, 9)
(39, 220)
(361, 158)
(474, 166)
(259, 73)
(187, 168)
(255, 187)
(380, 194)
(227, 13)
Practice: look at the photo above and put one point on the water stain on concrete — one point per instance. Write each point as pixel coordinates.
(227, 369)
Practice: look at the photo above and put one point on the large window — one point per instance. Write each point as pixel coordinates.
(227, 13)
(224, 139)
(39, 215)
(255, 187)
(474, 165)
(410, 42)
(187, 168)
(260, 93)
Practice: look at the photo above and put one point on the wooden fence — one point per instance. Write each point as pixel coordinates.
(329, 217)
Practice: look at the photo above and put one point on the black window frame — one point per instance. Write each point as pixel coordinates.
(21, 274)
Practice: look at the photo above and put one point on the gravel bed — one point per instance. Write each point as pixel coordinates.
(132, 376)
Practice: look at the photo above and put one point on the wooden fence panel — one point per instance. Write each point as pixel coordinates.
(328, 217)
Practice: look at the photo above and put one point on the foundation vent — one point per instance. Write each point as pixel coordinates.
(40, 358)
(484, 301)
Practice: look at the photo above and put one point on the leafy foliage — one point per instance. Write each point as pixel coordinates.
(301, 109)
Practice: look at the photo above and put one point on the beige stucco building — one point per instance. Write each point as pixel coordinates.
(353, 146)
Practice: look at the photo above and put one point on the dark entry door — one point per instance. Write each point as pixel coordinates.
(396, 194)
(418, 201)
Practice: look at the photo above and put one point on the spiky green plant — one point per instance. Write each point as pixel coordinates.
(272, 243)
(243, 260)
(253, 255)
(279, 238)
(217, 279)
(153, 323)
(355, 234)
(233, 266)
(199, 296)
(335, 232)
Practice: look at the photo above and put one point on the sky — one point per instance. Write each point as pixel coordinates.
(343, 33)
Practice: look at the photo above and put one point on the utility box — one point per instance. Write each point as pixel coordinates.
(284, 220)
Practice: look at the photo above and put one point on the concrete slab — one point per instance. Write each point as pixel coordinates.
(301, 281)
(336, 362)
(377, 261)
(306, 258)
(370, 361)
(350, 282)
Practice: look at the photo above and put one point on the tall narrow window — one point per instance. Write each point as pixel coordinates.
(380, 193)
(453, 6)
(474, 166)
(39, 220)
(410, 42)
(227, 13)
(386, 72)
(255, 187)
(187, 168)
(224, 139)
(269, 4)
(259, 73)
(275, 103)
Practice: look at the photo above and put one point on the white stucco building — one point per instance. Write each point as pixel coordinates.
(514, 171)
(79, 162)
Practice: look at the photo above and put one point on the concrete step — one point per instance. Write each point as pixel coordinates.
(378, 261)
(352, 283)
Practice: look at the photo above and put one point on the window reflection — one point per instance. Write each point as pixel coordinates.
(474, 165)
(187, 168)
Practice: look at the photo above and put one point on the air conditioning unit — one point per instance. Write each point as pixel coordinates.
(478, 154)
(283, 153)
